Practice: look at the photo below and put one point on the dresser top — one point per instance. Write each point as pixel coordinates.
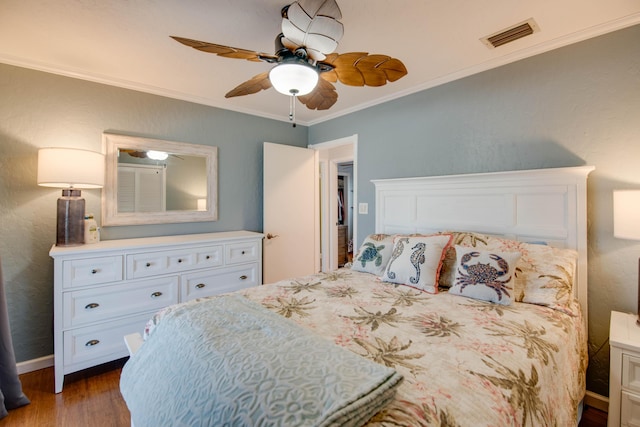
(624, 331)
(151, 242)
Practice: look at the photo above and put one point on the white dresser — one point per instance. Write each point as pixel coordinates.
(110, 289)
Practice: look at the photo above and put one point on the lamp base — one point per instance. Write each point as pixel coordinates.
(70, 225)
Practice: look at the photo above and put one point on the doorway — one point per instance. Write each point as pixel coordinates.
(345, 213)
(337, 158)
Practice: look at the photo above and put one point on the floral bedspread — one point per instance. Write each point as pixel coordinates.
(465, 362)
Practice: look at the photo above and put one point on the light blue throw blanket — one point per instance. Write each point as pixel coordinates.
(228, 361)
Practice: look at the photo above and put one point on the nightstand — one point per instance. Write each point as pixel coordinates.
(624, 374)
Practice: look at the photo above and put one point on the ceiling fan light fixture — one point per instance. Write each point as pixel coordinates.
(293, 78)
(157, 155)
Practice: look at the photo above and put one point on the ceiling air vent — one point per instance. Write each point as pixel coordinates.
(514, 33)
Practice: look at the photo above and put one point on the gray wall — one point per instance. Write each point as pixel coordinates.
(573, 106)
(44, 110)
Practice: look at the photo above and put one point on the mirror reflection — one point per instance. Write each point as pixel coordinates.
(157, 181)
(154, 181)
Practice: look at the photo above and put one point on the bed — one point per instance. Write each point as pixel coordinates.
(490, 330)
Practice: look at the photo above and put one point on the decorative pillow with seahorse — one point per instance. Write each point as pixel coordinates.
(374, 254)
(416, 261)
(485, 275)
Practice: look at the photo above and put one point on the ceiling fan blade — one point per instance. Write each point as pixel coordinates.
(314, 25)
(134, 153)
(362, 69)
(321, 98)
(226, 51)
(253, 85)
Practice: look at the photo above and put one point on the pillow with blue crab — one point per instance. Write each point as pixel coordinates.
(485, 275)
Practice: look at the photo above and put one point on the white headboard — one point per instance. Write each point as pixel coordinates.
(548, 205)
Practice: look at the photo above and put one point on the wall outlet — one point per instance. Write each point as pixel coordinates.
(363, 208)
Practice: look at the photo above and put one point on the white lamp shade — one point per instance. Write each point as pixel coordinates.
(293, 78)
(69, 167)
(626, 214)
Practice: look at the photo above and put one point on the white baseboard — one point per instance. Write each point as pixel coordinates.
(596, 401)
(35, 364)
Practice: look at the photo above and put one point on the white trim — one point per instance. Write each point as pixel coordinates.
(35, 364)
(327, 238)
(352, 139)
(323, 168)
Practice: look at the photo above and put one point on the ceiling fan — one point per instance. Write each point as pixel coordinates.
(306, 66)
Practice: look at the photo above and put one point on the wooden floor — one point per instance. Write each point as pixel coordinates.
(92, 399)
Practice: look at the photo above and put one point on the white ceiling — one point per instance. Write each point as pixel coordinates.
(126, 43)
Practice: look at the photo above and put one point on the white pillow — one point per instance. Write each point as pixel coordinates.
(485, 275)
(416, 261)
(374, 254)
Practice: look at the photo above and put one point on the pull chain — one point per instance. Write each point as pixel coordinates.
(292, 107)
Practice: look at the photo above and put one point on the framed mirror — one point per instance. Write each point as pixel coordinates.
(152, 181)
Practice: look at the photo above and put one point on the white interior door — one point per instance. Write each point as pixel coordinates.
(291, 211)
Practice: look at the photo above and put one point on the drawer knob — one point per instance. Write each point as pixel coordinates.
(208, 256)
(200, 285)
(148, 264)
(91, 306)
(179, 260)
(156, 294)
(94, 271)
(243, 277)
(242, 252)
(91, 343)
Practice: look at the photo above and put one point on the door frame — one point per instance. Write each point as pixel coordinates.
(328, 196)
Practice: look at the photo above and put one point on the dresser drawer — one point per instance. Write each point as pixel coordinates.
(95, 305)
(91, 271)
(148, 264)
(218, 281)
(105, 341)
(629, 410)
(631, 373)
(236, 253)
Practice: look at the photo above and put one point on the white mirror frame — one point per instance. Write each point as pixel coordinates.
(112, 143)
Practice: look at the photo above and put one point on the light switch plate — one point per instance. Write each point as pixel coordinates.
(363, 208)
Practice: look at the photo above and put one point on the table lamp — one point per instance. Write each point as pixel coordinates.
(70, 169)
(626, 224)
